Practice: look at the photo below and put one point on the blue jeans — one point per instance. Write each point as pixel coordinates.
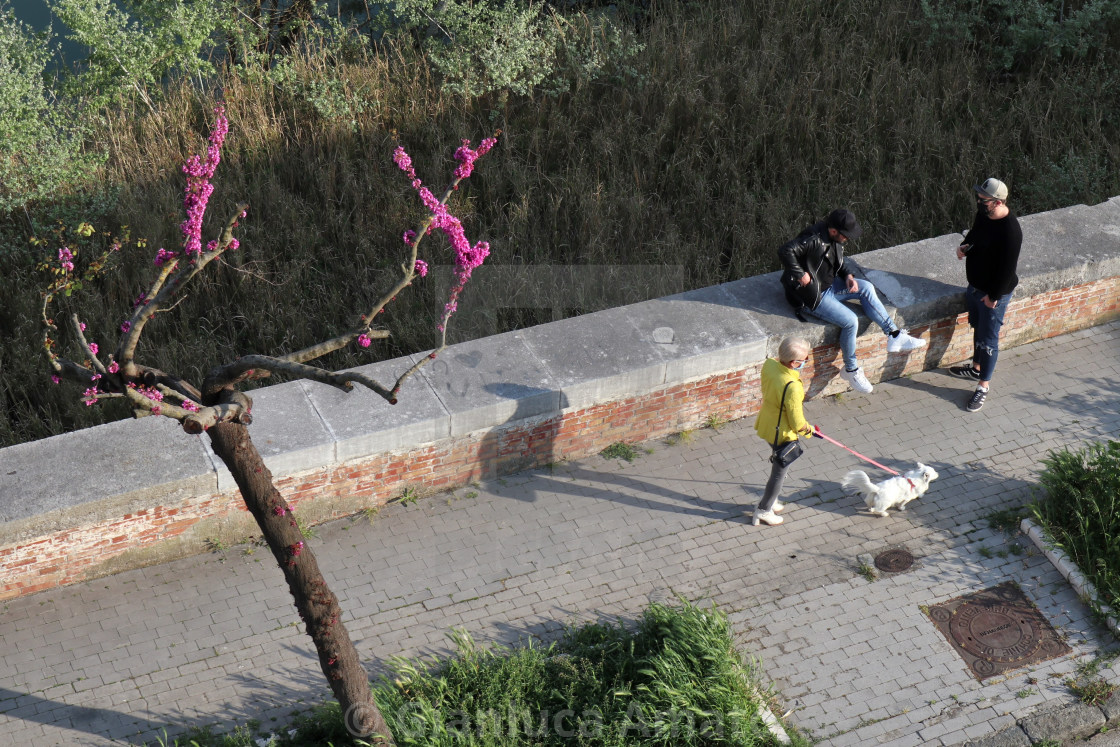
(833, 310)
(986, 324)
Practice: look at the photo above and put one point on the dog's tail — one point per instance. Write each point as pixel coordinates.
(857, 481)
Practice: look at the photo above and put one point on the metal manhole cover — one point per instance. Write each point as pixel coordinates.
(996, 630)
(894, 561)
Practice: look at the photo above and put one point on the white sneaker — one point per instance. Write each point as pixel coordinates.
(903, 342)
(778, 507)
(858, 381)
(766, 517)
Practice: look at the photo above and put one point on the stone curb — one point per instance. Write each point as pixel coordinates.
(1069, 569)
(1067, 724)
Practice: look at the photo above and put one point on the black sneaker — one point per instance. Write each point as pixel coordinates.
(977, 400)
(965, 372)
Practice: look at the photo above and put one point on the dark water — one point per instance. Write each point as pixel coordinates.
(37, 15)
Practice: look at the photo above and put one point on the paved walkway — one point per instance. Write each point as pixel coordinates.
(214, 639)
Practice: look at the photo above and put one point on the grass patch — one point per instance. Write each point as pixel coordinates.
(715, 421)
(1091, 691)
(674, 679)
(680, 437)
(620, 450)
(1080, 511)
(1008, 519)
(866, 571)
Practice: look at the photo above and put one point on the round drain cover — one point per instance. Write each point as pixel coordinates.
(997, 633)
(894, 561)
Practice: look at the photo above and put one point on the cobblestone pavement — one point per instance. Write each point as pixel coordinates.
(213, 639)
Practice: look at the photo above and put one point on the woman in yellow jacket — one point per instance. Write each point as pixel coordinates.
(781, 376)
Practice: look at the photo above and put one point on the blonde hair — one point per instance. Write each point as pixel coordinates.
(793, 349)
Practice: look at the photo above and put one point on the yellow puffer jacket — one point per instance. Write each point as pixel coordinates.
(775, 376)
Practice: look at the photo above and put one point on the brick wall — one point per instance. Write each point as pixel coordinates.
(184, 527)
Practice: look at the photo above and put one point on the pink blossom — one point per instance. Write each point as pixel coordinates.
(467, 256)
(164, 256)
(409, 236)
(199, 173)
(140, 301)
(404, 162)
(421, 268)
(363, 340)
(466, 157)
(89, 396)
(66, 259)
(82, 326)
(126, 326)
(189, 405)
(55, 378)
(234, 244)
(113, 367)
(93, 348)
(156, 409)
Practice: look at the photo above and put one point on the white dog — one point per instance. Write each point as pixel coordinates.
(895, 492)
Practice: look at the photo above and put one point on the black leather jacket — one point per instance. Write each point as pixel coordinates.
(814, 252)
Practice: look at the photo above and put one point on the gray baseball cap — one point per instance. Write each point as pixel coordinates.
(992, 188)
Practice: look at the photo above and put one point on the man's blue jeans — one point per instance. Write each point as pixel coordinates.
(986, 324)
(833, 310)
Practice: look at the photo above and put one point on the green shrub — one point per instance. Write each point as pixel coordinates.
(1081, 512)
(1018, 33)
(135, 44)
(41, 135)
(507, 46)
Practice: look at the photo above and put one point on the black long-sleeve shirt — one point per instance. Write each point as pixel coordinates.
(991, 263)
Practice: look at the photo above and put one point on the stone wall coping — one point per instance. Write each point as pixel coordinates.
(119, 468)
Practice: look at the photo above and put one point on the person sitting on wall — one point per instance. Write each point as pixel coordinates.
(817, 282)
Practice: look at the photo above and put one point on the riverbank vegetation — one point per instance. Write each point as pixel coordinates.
(681, 134)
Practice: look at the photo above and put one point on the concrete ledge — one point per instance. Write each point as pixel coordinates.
(506, 402)
(97, 474)
(362, 423)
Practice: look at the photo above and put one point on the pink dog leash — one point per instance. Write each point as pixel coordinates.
(819, 434)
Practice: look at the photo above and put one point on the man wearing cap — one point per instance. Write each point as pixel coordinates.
(991, 254)
(817, 283)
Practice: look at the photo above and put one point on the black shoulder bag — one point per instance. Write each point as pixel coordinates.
(790, 450)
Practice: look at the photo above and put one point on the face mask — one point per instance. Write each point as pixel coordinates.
(799, 366)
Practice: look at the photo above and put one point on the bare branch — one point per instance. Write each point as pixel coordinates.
(415, 367)
(225, 376)
(174, 276)
(329, 346)
(79, 330)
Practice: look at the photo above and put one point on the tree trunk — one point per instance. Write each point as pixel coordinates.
(318, 607)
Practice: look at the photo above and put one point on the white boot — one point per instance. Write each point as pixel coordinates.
(766, 517)
(778, 507)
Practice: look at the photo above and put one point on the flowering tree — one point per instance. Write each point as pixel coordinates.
(217, 408)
